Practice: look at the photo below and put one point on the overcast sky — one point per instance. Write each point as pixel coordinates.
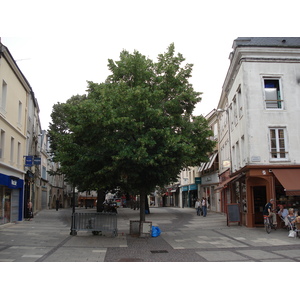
(59, 45)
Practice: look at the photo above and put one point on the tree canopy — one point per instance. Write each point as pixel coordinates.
(135, 129)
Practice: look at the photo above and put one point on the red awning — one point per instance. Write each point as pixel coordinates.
(224, 183)
(290, 180)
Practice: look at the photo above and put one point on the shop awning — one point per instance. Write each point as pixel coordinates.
(207, 165)
(201, 168)
(225, 182)
(211, 161)
(290, 180)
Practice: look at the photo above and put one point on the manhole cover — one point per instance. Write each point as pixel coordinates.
(131, 260)
(159, 251)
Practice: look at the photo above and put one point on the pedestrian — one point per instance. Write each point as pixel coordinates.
(198, 207)
(268, 211)
(57, 204)
(204, 206)
(29, 211)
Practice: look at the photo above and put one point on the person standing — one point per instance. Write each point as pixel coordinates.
(198, 207)
(204, 206)
(57, 204)
(29, 211)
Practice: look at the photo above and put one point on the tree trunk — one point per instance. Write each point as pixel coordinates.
(142, 206)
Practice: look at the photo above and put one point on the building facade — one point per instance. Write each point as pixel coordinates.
(14, 96)
(32, 165)
(259, 144)
(208, 171)
(24, 148)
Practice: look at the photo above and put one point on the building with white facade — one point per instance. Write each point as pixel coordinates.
(24, 148)
(14, 96)
(209, 171)
(259, 142)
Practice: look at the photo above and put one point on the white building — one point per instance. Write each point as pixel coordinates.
(259, 109)
(14, 96)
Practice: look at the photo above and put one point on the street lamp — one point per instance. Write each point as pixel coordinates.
(73, 230)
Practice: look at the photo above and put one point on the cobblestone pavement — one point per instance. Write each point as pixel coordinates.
(185, 237)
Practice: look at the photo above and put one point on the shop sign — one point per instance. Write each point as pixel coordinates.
(28, 161)
(37, 161)
(226, 163)
(14, 182)
(185, 188)
(32, 160)
(198, 180)
(193, 187)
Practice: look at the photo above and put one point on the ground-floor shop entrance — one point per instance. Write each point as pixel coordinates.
(254, 186)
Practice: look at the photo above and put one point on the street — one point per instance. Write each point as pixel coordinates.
(185, 237)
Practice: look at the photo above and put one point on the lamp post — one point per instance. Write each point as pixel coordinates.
(73, 231)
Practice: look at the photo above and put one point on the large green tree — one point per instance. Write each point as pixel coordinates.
(137, 127)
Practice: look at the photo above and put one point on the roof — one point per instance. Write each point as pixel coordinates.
(289, 42)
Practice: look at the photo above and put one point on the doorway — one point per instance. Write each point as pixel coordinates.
(5, 205)
(259, 200)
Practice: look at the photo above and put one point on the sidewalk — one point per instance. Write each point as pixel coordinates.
(185, 237)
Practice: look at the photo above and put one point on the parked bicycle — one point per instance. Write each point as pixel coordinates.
(269, 224)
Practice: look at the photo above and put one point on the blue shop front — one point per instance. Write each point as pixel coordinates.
(189, 195)
(11, 199)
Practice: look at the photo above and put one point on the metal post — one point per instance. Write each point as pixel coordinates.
(73, 231)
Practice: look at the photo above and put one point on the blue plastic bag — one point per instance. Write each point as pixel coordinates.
(155, 231)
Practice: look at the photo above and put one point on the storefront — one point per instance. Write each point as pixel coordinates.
(287, 188)
(11, 195)
(207, 190)
(189, 195)
(184, 195)
(256, 185)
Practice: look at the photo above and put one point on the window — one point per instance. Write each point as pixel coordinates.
(3, 96)
(235, 110)
(237, 153)
(20, 114)
(272, 93)
(240, 101)
(44, 172)
(231, 117)
(19, 154)
(242, 150)
(12, 147)
(278, 144)
(2, 140)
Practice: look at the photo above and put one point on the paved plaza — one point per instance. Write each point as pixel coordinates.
(185, 237)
